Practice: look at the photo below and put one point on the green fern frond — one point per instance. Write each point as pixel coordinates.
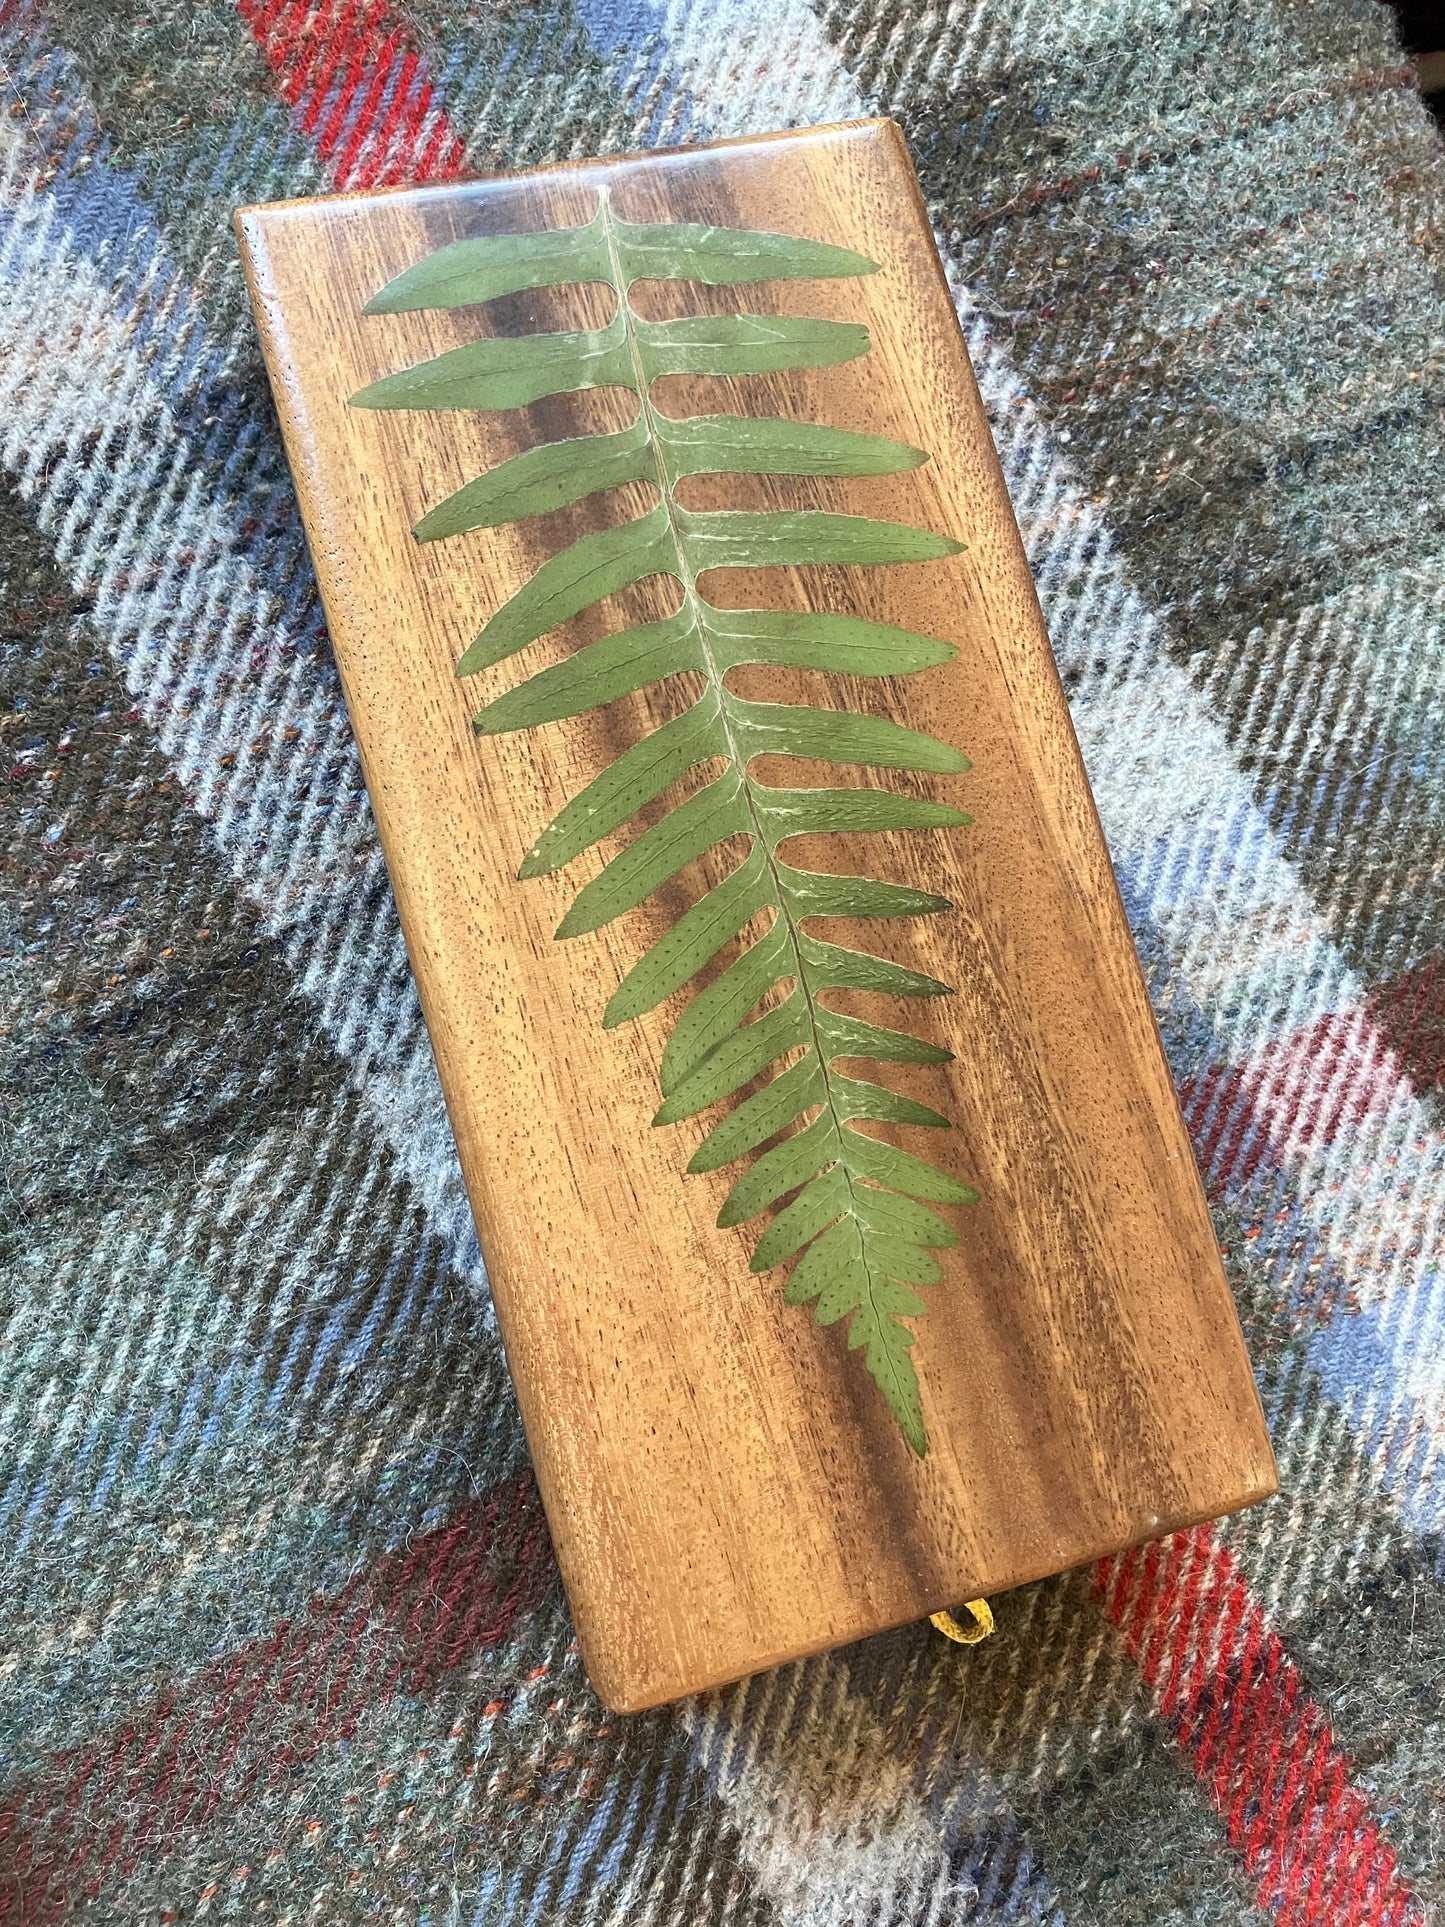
(853, 1209)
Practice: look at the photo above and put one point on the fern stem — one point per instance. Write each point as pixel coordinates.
(701, 611)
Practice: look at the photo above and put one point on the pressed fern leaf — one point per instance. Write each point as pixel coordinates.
(856, 1216)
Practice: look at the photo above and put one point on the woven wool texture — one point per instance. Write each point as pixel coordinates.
(282, 1635)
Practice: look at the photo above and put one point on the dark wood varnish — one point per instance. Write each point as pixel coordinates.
(725, 1488)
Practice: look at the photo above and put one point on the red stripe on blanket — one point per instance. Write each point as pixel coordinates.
(1263, 1751)
(350, 70)
(1292, 1096)
(1410, 1011)
(247, 1721)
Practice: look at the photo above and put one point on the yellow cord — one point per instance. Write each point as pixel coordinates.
(969, 1636)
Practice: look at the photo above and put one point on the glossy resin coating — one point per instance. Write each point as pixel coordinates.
(726, 1488)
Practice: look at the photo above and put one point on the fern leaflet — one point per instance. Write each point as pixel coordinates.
(856, 1217)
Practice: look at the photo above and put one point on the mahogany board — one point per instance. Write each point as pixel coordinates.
(725, 1488)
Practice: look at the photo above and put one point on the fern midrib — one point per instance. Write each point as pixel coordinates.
(700, 609)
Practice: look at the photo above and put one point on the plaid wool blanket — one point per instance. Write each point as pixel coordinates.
(282, 1636)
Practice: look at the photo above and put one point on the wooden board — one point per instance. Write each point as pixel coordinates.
(725, 1488)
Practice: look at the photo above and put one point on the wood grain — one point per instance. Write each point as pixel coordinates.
(725, 1488)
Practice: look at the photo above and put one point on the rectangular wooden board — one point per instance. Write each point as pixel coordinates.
(726, 1489)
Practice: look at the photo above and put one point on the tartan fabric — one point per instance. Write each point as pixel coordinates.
(282, 1638)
